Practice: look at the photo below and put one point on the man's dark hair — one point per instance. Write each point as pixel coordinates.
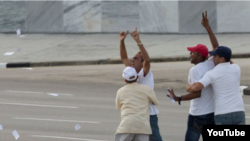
(204, 58)
(227, 59)
(133, 80)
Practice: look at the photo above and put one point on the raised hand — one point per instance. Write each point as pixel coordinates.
(212, 37)
(204, 20)
(135, 35)
(123, 35)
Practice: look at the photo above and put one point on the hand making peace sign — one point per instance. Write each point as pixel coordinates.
(204, 20)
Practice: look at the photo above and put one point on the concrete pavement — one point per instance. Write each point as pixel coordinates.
(79, 49)
(86, 95)
(38, 50)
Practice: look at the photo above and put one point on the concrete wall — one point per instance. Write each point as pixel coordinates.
(115, 16)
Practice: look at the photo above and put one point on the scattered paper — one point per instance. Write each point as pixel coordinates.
(19, 49)
(77, 127)
(1, 127)
(28, 68)
(18, 32)
(53, 94)
(9, 53)
(15, 134)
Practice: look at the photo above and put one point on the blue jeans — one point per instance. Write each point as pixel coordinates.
(155, 136)
(195, 126)
(234, 118)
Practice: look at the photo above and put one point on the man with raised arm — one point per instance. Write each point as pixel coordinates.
(141, 62)
(201, 110)
(225, 80)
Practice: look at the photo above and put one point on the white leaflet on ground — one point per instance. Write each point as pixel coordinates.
(15, 134)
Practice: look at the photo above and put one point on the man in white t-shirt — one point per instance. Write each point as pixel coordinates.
(201, 110)
(225, 80)
(141, 62)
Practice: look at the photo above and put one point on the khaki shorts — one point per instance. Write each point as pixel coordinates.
(131, 137)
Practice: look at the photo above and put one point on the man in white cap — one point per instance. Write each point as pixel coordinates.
(133, 101)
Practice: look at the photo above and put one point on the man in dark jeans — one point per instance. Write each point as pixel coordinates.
(202, 102)
(141, 62)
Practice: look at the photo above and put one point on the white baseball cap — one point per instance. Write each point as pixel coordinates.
(129, 73)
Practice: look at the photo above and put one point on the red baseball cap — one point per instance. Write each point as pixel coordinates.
(200, 48)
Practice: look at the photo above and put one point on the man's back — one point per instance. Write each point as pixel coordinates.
(225, 80)
(133, 101)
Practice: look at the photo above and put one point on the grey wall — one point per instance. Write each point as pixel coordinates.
(190, 16)
(12, 16)
(116, 16)
(44, 16)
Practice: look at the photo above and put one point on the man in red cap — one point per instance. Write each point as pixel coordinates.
(201, 110)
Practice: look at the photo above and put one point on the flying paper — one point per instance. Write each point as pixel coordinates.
(15, 134)
(18, 32)
(77, 127)
(9, 53)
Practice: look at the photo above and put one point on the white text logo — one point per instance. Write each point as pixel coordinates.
(226, 132)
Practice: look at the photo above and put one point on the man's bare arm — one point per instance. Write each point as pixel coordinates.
(189, 96)
(123, 51)
(145, 56)
(196, 87)
(188, 87)
(212, 37)
(144, 53)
